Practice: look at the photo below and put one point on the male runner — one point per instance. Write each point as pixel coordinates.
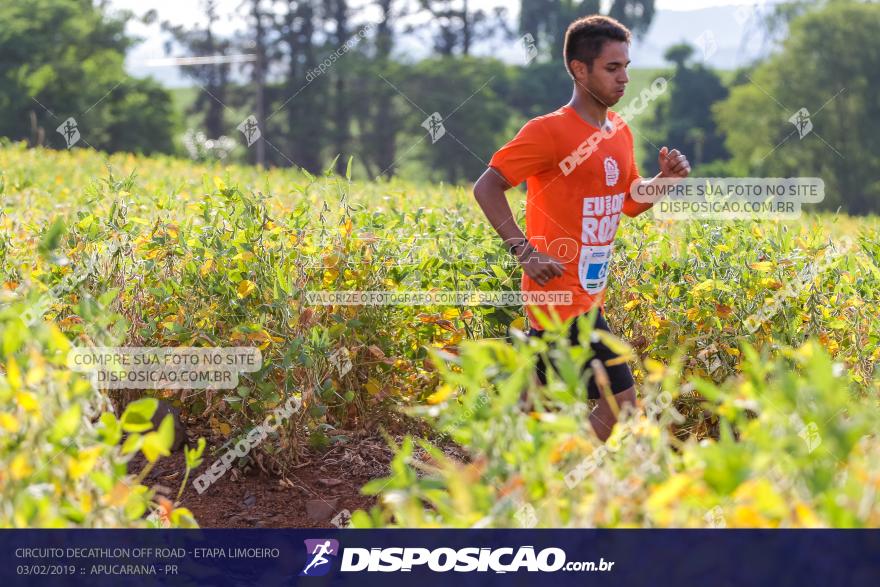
(578, 163)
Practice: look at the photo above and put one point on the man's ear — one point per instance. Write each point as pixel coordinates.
(578, 69)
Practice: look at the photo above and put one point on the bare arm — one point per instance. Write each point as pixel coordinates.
(489, 193)
(673, 165)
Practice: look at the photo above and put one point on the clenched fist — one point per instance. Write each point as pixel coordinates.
(673, 164)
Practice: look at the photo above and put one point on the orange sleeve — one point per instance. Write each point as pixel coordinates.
(529, 153)
(631, 207)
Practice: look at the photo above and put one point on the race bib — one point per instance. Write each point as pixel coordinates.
(593, 267)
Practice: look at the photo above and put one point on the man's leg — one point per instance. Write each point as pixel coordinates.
(611, 383)
(604, 415)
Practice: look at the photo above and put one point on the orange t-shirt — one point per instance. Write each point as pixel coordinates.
(578, 179)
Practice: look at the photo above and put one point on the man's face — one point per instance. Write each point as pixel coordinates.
(608, 78)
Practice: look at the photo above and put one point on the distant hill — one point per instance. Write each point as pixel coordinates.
(737, 44)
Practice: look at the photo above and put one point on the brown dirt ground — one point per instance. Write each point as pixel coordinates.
(307, 495)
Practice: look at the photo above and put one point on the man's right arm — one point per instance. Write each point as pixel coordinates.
(489, 192)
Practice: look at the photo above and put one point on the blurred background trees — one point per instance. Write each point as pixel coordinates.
(65, 58)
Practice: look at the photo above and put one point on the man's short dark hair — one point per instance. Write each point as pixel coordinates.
(586, 36)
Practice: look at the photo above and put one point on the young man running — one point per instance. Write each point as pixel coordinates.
(578, 163)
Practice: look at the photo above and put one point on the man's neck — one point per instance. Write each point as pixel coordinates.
(589, 108)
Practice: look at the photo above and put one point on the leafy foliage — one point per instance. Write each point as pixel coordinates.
(65, 58)
(816, 70)
(732, 321)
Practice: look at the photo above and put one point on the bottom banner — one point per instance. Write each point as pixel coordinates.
(439, 557)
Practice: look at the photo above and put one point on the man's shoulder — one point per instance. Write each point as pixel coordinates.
(549, 119)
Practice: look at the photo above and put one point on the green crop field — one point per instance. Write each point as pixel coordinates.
(754, 345)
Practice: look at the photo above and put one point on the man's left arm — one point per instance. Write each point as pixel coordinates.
(673, 165)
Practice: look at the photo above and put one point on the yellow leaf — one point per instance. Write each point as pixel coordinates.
(219, 183)
(85, 503)
(83, 463)
(153, 447)
(443, 392)
(452, 314)
(225, 429)
(245, 288)
(518, 323)
(372, 386)
(654, 366)
(806, 517)
(28, 402)
(20, 468)
(206, 267)
(35, 374)
(668, 491)
(705, 286)
(746, 516)
(9, 422)
(762, 266)
(13, 374)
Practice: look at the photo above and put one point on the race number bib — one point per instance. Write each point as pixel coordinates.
(593, 267)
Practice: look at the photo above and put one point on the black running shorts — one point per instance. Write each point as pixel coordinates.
(620, 376)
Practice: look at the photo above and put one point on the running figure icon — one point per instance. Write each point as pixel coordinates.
(318, 554)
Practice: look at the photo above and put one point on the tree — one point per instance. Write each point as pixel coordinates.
(65, 58)
(683, 118)
(547, 20)
(258, 72)
(472, 112)
(212, 78)
(459, 25)
(301, 97)
(829, 66)
(679, 54)
(338, 13)
(378, 118)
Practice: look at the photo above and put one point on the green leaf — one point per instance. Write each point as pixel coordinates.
(66, 424)
(137, 417)
(108, 296)
(154, 446)
(159, 443)
(183, 518)
(110, 430)
(132, 443)
(166, 431)
(137, 502)
(193, 456)
(360, 519)
(52, 237)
